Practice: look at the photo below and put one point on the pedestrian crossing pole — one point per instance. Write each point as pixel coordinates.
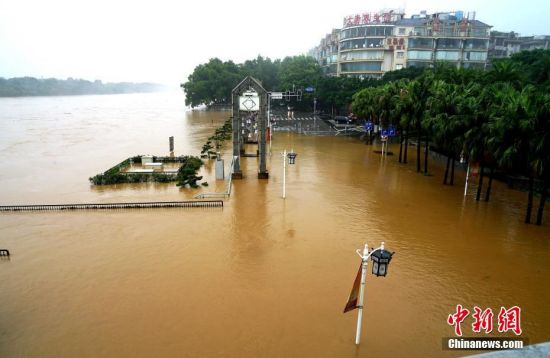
(284, 174)
(269, 121)
(364, 264)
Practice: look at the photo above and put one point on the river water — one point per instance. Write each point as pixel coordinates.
(261, 277)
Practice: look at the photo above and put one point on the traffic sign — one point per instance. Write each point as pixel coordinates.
(369, 125)
(310, 89)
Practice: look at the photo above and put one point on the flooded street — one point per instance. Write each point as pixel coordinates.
(260, 277)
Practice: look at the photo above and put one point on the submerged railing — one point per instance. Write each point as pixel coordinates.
(100, 206)
(227, 192)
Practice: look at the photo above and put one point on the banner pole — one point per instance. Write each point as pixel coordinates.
(364, 265)
(284, 174)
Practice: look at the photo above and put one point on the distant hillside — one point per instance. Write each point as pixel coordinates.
(30, 86)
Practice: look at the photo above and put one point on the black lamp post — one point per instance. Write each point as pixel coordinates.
(380, 262)
(291, 157)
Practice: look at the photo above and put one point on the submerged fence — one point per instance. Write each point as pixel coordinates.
(103, 206)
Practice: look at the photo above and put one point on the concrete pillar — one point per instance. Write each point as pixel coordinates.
(262, 121)
(219, 169)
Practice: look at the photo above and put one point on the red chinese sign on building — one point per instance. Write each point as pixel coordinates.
(508, 320)
(372, 18)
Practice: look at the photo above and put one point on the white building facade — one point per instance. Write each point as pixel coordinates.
(371, 44)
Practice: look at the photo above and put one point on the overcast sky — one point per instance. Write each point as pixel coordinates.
(162, 41)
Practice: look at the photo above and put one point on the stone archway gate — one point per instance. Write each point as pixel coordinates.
(249, 97)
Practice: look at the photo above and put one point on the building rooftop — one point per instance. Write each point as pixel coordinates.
(424, 21)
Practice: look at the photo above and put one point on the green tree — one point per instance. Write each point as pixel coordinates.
(211, 83)
(299, 71)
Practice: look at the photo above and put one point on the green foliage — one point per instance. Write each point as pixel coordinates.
(499, 117)
(221, 135)
(409, 73)
(30, 86)
(187, 173)
(211, 83)
(114, 175)
(336, 92)
(300, 71)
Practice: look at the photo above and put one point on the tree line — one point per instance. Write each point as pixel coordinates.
(30, 86)
(499, 119)
(211, 83)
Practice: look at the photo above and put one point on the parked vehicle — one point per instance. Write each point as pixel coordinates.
(342, 120)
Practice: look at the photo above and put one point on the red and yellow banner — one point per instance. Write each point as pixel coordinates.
(354, 294)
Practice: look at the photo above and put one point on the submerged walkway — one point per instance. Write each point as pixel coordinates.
(137, 205)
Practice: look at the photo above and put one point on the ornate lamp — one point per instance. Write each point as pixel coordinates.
(291, 157)
(380, 262)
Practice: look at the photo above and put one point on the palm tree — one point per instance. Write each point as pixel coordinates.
(506, 71)
(416, 95)
(472, 109)
(540, 147)
(445, 120)
(512, 127)
(364, 104)
(403, 109)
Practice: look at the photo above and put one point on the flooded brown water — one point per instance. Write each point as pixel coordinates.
(262, 277)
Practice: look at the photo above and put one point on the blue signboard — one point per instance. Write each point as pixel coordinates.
(310, 89)
(388, 132)
(369, 125)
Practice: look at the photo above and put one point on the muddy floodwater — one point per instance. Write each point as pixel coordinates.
(260, 277)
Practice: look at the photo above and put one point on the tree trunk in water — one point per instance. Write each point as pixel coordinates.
(427, 149)
(542, 201)
(447, 171)
(452, 172)
(488, 194)
(529, 201)
(401, 147)
(418, 144)
(480, 186)
(406, 145)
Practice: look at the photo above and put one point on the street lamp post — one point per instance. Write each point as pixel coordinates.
(381, 259)
(269, 121)
(291, 160)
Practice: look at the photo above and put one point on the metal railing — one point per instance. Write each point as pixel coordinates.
(136, 205)
(227, 192)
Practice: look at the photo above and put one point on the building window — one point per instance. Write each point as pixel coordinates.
(421, 43)
(361, 66)
(447, 55)
(401, 31)
(475, 44)
(475, 56)
(362, 55)
(448, 43)
(400, 54)
(418, 64)
(419, 55)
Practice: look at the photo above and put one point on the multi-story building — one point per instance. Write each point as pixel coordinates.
(327, 53)
(505, 44)
(371, 44)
